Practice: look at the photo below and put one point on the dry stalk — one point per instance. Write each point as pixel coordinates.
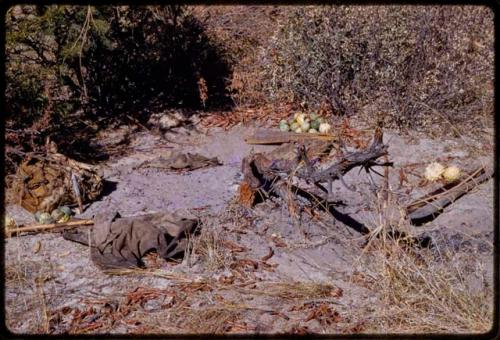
(41, 296)
(430, 199)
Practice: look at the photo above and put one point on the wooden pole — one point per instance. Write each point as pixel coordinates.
(43, 227)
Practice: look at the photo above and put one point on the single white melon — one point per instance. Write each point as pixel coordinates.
(434, 171)
(305, 126)
(325, 128)
(301, 118)
(451, 173)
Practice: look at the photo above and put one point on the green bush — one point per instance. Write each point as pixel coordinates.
(414, 65)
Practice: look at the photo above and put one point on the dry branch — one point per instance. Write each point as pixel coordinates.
(265, 174)
(44, 227)
(260, 170)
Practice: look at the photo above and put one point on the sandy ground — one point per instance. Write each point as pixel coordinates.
(57, 289)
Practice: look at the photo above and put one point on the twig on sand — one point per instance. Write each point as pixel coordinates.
(51, 226)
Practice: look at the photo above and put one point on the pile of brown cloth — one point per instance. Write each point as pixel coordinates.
(121, 242)
(181, 161)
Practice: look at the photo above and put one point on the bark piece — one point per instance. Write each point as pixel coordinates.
(246, 195)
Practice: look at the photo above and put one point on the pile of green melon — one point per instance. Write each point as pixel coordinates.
(303, 122)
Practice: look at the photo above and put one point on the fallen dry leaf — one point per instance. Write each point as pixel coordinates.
(240, 327)
(233, 246)
(227, 279)
(300, 330)
(245, 262)
(278, 242)
(324, 314)
(336, 292)
(37, 247)
(268, 256)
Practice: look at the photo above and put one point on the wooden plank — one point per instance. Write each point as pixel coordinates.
(267, 136)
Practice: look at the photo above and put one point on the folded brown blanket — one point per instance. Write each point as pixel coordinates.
(121, 242)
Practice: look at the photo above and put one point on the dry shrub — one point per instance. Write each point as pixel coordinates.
(242, 31)
(418, 66)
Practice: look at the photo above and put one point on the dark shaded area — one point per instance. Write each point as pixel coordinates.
(348, 221)
(421, 241)
(75, 70)
(80, 145)
(154, 64)
(108, 187)
(421, 221)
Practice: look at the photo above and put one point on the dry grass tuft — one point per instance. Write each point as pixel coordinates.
(422, 296)
(214, 320)
(208, 248)
(186, 319)
(299, 290)
(26, 278)
(423, 292)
